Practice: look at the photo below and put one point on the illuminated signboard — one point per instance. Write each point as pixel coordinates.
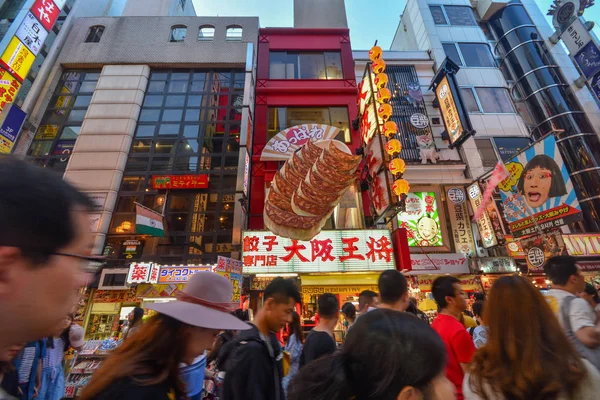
(422, 220)
(180, 181)
(17, 59)
(142, 273)
(329, 251)
(232, 270)
(9, 86)
(484, 223)
(46, 12)
(182, 273)
(462, 231)
(456, 119)
(32, 33)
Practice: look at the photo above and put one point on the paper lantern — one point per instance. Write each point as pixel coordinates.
(375, 53)
(381, 80)
(390, 129)
(126, 225)
(378, 66)
(383, 96)
(401, 187)
(384, 111)
(397, 166)
(393, 147)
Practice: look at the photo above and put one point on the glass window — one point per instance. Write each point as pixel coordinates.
(76, 115)
(88, 87)
(186, 164)
(477, 55)
(333, 62)
(206, 33)
(178, 87)
(469, 99)
(169, 129)
(126, 204)
(144, 131)
(132, 183)
(234, 33)
(312, 66)
(452, 53)
(149, 115)
(156, 86)
(196, 100)
(191, 131)
(495, 100)
(177, 222)
(163, 146)
(95, 34)
(487, 152)
(40, 148)
(153, 101)
(175, 101)
(485, 27)
(161, 164)
(460, 15)
(438, 15)
(141, 146)
(70, 132)
(82, 101)
(189, 147)
(179, 202)
(192, 115)
(277, 64)
(178, 33)
(509, 147)
(172, 115)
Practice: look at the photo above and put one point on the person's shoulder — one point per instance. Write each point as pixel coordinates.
(128, 388)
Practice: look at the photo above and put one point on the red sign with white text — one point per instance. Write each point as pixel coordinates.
(46, 12)
(180, 181)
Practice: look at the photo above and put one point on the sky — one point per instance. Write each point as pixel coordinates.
(367, 22)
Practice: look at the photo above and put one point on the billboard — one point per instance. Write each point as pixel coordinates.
(422, 220)
(32, 33)
(17, 59)
(11, 122)
(462, 232)
(484, 223)
(539, 193)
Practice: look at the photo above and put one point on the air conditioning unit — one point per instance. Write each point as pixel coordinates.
(113, 279)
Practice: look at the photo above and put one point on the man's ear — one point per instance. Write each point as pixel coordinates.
(410, 393)
(268, 304)
(9, 269)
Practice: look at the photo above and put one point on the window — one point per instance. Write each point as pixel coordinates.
(95, 34)
(178, 33)
(489, 100)
(453, 15)
(206, 33)
(489, 158)
(438, 15)
(452, 53)
(234, 33)
(305, 65)
(476, 55)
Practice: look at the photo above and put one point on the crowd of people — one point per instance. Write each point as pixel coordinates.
(526, 345)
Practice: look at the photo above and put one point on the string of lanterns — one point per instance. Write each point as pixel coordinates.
(389, 129)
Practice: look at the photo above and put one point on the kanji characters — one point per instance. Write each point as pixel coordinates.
(251, 243)
(294, 250)
(322, 249)
(351, 249)
(380, 249)
(269, 242)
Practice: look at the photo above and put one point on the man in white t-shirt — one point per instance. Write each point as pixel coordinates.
(582, 326)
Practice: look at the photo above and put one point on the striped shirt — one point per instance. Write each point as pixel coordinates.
(54, 356)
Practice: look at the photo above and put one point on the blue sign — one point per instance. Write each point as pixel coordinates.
(511, 146)
(10, 128)
(588, 59)
(595, 83)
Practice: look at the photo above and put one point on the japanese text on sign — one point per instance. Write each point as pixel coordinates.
(439, 263)
(179, 274)
(143, 273)
(484, 223)
(327, 252)
(46, 12)
(180, 181)
(449, 110)
(32, 33)
(462, 231)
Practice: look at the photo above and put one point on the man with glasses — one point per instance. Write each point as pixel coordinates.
(45, 244)
(451, 301)
(576, 315)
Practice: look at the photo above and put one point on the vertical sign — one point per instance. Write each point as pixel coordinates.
(232, 270)
(449, 110)
(10, 124)
(462, 232)
(484, 224)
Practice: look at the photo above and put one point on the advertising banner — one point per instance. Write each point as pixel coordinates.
(539, 248)
(232, 270)
(449, 110)
(11, 121)
(329, 251)
(32, 33)
(422, 220)
(539, 192)
(179, 181)
(468, 283)
(514, 248)
(585, 245)
(285, 143)
(497, 265)
(180, 274)
(46, 12)
(439, 264)
(588, 59)
(576, 36)
(462, 231)
(143, 273)
(17, 59)
(9, 86)
(155, 291)
(509, 147)
(484, 224)
(595, 84)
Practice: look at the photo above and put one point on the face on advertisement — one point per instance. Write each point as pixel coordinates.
(541, 180)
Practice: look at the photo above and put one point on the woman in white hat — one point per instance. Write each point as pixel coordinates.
(147, 365)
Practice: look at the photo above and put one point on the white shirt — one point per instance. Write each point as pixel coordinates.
(480, 336)
(581, 314)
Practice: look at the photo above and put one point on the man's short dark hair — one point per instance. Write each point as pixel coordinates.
(36, 209)
(478, 308)
(364, 298)
(328, 305)
(442, 287)
(281, 290)
(560, 268)
(392, 286)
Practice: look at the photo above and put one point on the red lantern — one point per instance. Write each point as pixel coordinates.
(381, 80)
(375, 53)
(384, 111)
(384, 95)
(378, 66)
(397, 166)
(401, 187)
(390, 129)
(393, 147)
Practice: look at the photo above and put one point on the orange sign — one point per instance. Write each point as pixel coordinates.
(582, 245)
(180, 181)
(449, 110)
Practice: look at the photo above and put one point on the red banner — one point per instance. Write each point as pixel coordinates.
(180, 181)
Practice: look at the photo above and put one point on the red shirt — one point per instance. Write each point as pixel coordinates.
(459, 346)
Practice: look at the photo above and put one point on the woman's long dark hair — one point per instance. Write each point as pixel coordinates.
(296, 328)
(527, 355)
(384, 352)
(153, 353)
(138, 315)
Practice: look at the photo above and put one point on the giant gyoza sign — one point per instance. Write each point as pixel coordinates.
(329, 251)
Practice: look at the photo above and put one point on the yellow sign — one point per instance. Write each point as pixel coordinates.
(335, 289)
(9, 86)
(17, 59)
(449, 110)
(468, 283)
(46, 132)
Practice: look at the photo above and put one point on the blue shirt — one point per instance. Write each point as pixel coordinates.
(193, 375)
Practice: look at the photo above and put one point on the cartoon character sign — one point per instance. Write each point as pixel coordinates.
(421, 219)
(427, 149)
(539, 186)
